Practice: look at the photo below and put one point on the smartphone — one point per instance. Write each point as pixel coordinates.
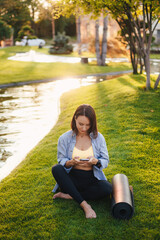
(84, 159)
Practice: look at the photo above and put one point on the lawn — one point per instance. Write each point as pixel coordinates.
(16, 71)
(128, 117)
(155, 56)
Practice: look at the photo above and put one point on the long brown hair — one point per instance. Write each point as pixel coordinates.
(87, 111)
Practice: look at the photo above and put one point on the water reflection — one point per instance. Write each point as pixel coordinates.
(155, 66)
(27, 113)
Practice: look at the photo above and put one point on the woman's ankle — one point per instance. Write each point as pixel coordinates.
(89, 212)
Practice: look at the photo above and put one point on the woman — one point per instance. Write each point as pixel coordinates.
(82, 154)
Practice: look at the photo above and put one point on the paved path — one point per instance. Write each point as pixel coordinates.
(33, 56)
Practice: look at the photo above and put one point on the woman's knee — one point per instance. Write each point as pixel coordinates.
(110, 188)
(107, 186)
(57, 168)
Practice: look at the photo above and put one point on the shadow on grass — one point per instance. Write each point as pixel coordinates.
(130, 81)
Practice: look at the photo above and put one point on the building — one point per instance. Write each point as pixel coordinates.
(115, 48)
(88, 28)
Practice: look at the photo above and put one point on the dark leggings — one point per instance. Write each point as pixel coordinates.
(81, 185)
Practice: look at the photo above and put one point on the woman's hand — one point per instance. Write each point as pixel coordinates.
(76, 161)
(92, 160)
(73, 162)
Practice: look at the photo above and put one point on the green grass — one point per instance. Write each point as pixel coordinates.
(155, 56)
(128, 117)
(16, 71)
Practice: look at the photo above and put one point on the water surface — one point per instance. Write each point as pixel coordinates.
(27, 114)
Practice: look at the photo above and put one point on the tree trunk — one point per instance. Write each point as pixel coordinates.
(157, 82)
(53, 28)
(147, 69)
(79, 34)
(97, 46)
(141, 64)
(133, 61)
(104, 41)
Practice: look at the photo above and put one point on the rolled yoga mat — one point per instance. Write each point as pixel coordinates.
(122, 200)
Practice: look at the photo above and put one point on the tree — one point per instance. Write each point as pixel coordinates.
(91, 7)
(79, 8)
(97, 10)
(5, 30)
(18, 13)
(78, 24)
(129, 40)
(43, 25)
(68, 8)
(157, 82)
(34, 6)
(15, 13)
(26, 31)
(138, 18)
(101, 52)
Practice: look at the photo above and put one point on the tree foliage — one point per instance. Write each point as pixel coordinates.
(18, 13)
(15, 13)
(5, 30)
(34, 6)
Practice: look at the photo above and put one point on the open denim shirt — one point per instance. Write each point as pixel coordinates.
(66, 144)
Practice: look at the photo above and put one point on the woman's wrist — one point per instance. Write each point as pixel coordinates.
(94, 160)
(98, 164)
(68, 164)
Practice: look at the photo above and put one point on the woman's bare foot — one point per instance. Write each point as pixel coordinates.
(62, 195)
(89, 212)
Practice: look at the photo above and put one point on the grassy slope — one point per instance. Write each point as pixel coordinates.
(129, 119)
(16, 71)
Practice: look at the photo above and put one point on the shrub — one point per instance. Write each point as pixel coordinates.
(26, 31)
(61, 45)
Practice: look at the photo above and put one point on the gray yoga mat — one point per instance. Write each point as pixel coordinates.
(122, 200)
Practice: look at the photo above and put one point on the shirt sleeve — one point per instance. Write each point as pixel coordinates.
(102, 153)
(62, 152)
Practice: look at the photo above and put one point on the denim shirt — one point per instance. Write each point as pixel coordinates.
(66, 144)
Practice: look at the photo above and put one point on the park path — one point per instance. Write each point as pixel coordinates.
(33, 56)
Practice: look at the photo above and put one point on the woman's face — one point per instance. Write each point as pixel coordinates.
(82, 124)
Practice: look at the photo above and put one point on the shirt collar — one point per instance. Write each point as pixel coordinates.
(91, 135)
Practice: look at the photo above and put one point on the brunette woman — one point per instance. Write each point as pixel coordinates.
(82, 155)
